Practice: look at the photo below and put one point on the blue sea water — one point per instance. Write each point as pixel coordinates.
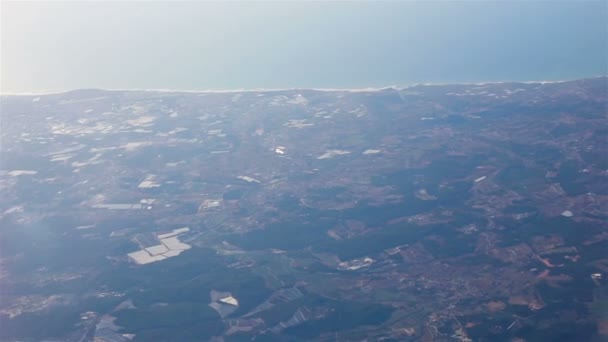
(210, 45)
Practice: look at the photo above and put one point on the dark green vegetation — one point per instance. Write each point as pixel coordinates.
(175, 321)
(342, 316)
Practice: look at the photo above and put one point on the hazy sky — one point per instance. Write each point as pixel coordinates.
(53, 46)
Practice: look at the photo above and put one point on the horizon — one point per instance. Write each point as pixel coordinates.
(354, 90)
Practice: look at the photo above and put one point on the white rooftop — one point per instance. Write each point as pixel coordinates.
(230, 300)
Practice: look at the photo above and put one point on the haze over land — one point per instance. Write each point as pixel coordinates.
(474, 211)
